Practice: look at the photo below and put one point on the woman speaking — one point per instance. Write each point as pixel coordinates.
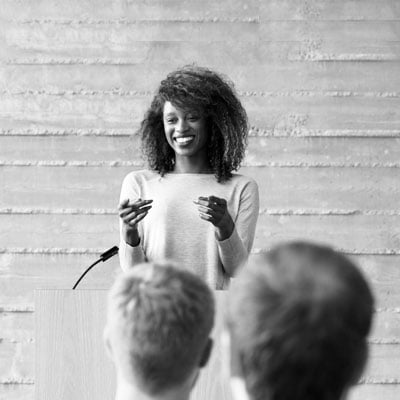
(189, 206)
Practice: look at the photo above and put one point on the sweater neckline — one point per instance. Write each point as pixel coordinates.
(199, 174)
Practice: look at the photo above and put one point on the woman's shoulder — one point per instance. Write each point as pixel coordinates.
(244, 181)
(139, 177)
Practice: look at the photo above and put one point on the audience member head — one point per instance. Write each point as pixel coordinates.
(159, 321)
(298, 322)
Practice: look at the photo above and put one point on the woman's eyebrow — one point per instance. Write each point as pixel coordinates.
(170, 114)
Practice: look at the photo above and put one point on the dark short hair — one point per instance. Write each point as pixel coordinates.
(299, 320)
(159, 321)
(209, 93)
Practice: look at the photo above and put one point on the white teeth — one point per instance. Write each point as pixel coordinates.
(184, 140)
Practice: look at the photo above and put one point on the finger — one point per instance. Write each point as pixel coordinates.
(125, 211)
(135, 213)
(206, 217)
(206, 202)
(202, 201)
(130, 215)
(134, 206)
(204, 209)
(212, 206)
(123, 203)
(128, 211)
(140, 203)
(137, 219)
(215, 214)
(217, 200)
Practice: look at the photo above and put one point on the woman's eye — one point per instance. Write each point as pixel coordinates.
(171, 121)
(193, 118)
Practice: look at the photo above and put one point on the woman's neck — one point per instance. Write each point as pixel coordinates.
(191, 165)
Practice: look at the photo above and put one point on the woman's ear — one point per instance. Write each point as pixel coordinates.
(206, 353)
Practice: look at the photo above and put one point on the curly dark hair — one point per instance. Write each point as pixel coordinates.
(202, 90)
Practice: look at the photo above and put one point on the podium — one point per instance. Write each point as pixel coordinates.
(71, 360)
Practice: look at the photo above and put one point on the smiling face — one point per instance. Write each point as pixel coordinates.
(185, 131)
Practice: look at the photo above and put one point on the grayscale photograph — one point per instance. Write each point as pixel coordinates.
(200, 200)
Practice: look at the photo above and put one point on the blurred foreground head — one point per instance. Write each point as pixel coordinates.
(159, 321)
(298, 321)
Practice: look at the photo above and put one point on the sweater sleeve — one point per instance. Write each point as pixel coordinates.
(129, 255)
(235, 250)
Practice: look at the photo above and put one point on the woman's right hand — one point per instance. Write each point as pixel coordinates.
(131, 215)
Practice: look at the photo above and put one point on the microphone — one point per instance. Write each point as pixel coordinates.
(103, 257)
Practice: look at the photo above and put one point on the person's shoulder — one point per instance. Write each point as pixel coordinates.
(244, 182)
(139, 177)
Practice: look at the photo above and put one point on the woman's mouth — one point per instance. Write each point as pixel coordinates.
(183, 140)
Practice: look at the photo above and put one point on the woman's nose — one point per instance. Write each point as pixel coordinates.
(182, 125)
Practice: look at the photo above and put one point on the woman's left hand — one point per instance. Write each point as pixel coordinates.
(215, 210)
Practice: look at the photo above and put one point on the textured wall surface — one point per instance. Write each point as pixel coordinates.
(320, 80)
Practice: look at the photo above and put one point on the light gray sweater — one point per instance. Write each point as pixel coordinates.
(173, 230)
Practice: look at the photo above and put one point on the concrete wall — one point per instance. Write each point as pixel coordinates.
(320, 81)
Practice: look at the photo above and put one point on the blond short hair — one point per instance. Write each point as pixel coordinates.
(159, 321)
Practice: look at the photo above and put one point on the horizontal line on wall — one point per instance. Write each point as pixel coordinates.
(310, 57)
(66, 132)
(322, 164)
(62, 211)
(255, 131)
(81, 92)
(326, 57)
(384, 341)
(66, 251)
(50, 250)
(374, 341)
(16, 309)
(142, 93)
(17, 381)
(298, 131)
(327, 212)
(360, 252)
(378, 381)
(69, 61)
(264, 211)
(255, 19)
(10, 340)
(125, 21)
(321, 93)
(369, 381)
(363, 381)
(119, 163)
(63, 163)
(393, 310)
(314, 18)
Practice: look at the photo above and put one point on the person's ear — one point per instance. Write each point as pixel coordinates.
(107, 343)
(206, 353)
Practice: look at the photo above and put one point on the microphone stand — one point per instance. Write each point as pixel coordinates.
(103, 257)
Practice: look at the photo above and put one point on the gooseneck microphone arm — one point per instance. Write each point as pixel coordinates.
(103, 257)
